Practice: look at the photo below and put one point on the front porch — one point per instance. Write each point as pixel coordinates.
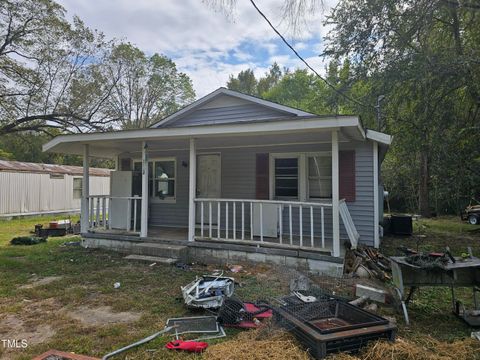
(193, 212)
(262, 190)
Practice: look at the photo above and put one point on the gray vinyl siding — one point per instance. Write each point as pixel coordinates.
(228, 114)
(238, 182)
(362, 209)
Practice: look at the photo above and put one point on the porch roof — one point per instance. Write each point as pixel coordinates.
(110, 144)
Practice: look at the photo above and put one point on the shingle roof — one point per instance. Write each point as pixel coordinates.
(18, 166)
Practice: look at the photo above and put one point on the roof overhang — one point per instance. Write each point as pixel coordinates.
(109, 144)
(379, 137)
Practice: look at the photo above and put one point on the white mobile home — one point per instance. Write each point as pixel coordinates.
(30, 188)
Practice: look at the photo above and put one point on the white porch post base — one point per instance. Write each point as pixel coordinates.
(144, 208)
(192, 190)
(335, 196)
(84, 224)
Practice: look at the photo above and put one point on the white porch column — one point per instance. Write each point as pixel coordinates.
(84, 224)
(192, 190)
(144, 208)
(335, 195)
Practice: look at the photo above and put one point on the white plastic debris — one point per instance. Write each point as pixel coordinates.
(116, 285)
(208, 291)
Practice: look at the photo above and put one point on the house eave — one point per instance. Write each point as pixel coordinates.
(379, 137)
(64, 143)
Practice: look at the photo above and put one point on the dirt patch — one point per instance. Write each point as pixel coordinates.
(13, 327)
(102, 315)
(40, 281)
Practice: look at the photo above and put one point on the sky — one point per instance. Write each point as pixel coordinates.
(205, 43)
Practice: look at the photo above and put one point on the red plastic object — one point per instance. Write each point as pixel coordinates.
(190, 346)
(251, 308)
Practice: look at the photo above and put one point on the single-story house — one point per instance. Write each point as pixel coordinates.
(234, 177)
(35, 189)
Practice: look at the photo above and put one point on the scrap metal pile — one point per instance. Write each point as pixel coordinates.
(321, 321)
(367, 262)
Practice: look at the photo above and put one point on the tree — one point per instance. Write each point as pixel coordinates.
(245, 82)
(424, 56)
(271, 78)
(41, 55)
(147, 90)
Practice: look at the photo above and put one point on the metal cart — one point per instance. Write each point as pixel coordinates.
(461, 273)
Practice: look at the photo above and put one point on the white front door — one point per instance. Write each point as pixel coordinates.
(209, 185)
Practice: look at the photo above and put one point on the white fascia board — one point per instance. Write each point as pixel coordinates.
(379, 137)
(224, 91)
(297, 125)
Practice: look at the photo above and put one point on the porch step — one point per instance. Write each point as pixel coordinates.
(152, 259)
(177, 252)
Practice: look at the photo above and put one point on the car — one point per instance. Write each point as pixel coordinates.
(471, 214)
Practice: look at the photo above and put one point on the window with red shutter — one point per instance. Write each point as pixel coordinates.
(346, 169)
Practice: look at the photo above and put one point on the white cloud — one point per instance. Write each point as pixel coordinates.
(204, 43)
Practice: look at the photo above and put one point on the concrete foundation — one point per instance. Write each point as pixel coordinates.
(221, 253)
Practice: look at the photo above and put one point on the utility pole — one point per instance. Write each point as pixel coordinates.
(380, 98)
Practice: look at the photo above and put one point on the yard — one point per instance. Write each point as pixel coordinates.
(62, 296)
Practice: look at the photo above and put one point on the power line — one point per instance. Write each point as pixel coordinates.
(304, 61)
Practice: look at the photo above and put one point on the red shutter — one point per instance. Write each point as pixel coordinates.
(262, 171)
(346, 169)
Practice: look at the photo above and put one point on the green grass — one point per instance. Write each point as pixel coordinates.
(154, 292)
(88, 276)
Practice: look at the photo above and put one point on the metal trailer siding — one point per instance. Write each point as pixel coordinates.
(23, 192)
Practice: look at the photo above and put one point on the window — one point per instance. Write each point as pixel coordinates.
(286, 177)
(161, 178)
(301, 176)
(77, 188)
(164, 180)
(319, 176)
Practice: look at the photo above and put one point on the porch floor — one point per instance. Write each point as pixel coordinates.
(162, 233)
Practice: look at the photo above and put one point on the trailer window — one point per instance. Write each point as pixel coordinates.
(77, 188)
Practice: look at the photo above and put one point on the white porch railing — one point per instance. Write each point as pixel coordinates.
(352, 232)
(239, 219)
(101, 214)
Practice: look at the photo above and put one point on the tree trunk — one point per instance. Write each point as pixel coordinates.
(423, 193)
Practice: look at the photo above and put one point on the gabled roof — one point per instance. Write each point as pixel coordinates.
(28, 167)
(242, 107)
